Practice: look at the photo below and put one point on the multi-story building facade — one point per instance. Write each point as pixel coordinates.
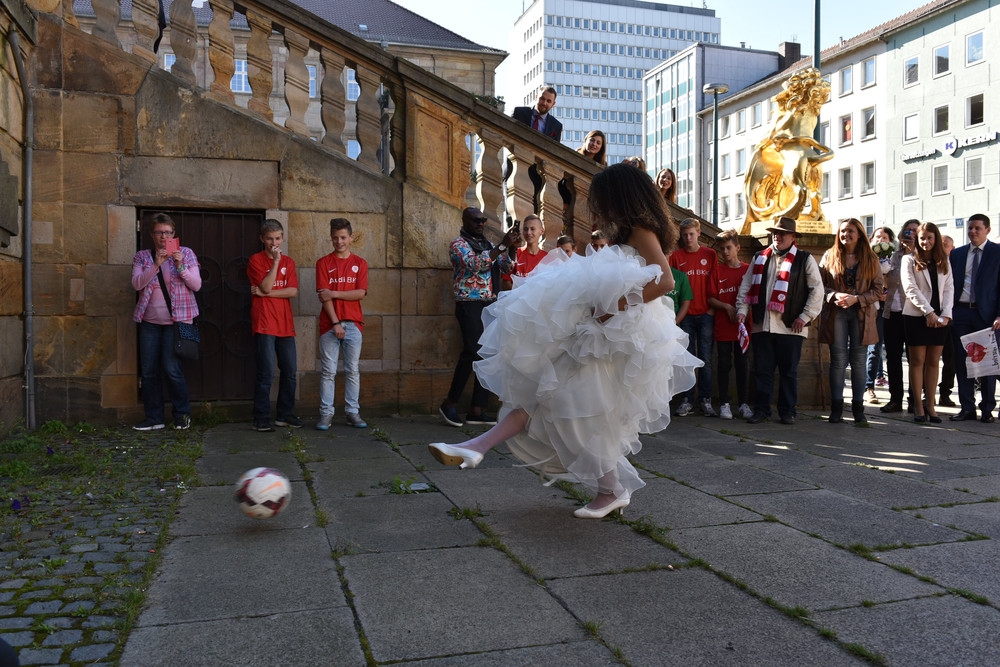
(943, 163)
(673, 98)
(595, 53)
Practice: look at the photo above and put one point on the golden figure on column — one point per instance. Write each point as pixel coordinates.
(785, 172)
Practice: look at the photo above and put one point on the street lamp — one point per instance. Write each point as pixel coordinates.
(715, 89)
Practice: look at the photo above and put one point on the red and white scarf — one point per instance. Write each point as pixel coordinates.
(780, 292)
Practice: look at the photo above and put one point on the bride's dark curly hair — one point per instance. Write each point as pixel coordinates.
(622, 197)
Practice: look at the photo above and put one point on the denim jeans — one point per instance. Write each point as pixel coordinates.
(847, 348)
(781, 351)
(470, 321)
(269, 349)
(156, 351)
(876, 368)
(330, 348)
(701, 334)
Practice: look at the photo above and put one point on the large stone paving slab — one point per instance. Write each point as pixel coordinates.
(987, 486)
(241, 439)
(251, 574)
(227, 468)
(498, 489)
(983, 518)
(671, 505)
(794, 568)
(319, 637)
(846, 521)
(692, 617)
(726, 478)
(396, 523)
(331, 446)
(213, 510)
(426, 429)
(553, 543)
(967, 565)
(445, 602)
(774, 457)
(360, 477)
(929, 632)
(588, 653)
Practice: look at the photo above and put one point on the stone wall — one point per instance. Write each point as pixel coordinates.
(116, 133)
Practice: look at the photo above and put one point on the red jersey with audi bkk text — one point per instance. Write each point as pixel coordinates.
(728, 280)
(699, 267)
(270, 315)
(342, 275)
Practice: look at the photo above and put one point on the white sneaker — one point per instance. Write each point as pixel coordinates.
(725, 412)
(684, 409)
(745, 411)
(706, 407)
(324, 423)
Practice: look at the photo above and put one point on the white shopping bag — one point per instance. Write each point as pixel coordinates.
(981, 355)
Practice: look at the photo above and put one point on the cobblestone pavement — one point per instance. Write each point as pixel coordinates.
(84, 513)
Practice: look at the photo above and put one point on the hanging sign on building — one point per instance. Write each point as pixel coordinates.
(952, 144)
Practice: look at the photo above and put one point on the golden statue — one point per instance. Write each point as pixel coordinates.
(785, 171)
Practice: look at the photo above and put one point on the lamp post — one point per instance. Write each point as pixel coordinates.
(715, 89)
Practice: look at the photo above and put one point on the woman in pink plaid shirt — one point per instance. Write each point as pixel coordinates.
(180, 274)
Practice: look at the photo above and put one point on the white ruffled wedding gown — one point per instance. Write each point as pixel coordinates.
(588, 387)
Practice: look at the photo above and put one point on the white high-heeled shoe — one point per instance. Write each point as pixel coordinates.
(451, 455)
(619, 503)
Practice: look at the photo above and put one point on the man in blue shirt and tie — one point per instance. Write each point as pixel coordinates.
(977, 307)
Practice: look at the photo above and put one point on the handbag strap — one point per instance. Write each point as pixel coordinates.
(166, 292)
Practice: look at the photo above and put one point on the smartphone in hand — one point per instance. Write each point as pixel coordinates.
(173, 245)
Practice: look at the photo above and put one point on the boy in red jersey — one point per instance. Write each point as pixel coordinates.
(273, 283)
(729, 277)
(341, 284)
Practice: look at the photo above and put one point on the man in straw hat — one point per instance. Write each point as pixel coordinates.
(783, 291)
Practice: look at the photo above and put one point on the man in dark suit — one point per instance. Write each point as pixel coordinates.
(977, 306)
(539, 116)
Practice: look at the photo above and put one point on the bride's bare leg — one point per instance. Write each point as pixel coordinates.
(512, 424)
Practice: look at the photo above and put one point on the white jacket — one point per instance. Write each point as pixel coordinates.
(917, 288)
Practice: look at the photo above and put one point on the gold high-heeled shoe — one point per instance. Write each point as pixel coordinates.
(450, 455)
(619, 503)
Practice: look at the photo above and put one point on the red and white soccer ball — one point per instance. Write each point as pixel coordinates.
(263, 492)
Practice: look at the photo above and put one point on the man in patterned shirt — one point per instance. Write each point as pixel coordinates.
(477, 265)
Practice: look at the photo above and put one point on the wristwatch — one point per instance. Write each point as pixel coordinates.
(502, 247)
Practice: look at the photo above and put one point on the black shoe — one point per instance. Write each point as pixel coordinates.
(182, 422)
(946, 402)
(263, 427)
(963, 415)
(892, 406)
(788, 419)
(290, 420)
(481, 418)
(920, 419)
(148, 425)
(450, 416)
(757, 418)
(987, 419)
(934, 419)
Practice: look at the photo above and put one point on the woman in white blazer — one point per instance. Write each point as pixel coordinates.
(930, 292)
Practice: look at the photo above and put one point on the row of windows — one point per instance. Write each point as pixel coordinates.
(632, 29)
(598, 114)
(940, 183)
(846, 76)
(599, 93)
(535, 27)
(612, 49)
(975, 114)
(846, 128)
(533, 51)
(612, 137)
(975, 53)
(598, 70)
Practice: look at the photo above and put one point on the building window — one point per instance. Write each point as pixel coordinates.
(724, 166)
(868, 178)
(240, 83)
(824, 133)
(942, 61)
(941, 119)
(868, 129)
(974, 48)
(910, 185)
(846, 80)
(312, 80)
(869, 222)
(724, 126)
(755, 115)
(974, 172)
(710, 172)
(724, 208)
(741, 120)
(741, 161)
(868, 73)
(824, 190)
(168, 61)
(911, 127)
(353, 89)
(911, 71)
(939, 179)
(846, 130)
(741, 209)
(845, 183)
(974, 110)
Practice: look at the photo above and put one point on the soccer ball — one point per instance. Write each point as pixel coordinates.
(263, 492)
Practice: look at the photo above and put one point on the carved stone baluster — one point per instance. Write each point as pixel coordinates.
(489, 173)
(221, 51)
(520, 187)
(369, 118)
(108, 13)
(333, 100)
(183, 39)
(397, 129)
(296, 82)
(580, 218)
(147, 27)
(550, 203)
(259, 64)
